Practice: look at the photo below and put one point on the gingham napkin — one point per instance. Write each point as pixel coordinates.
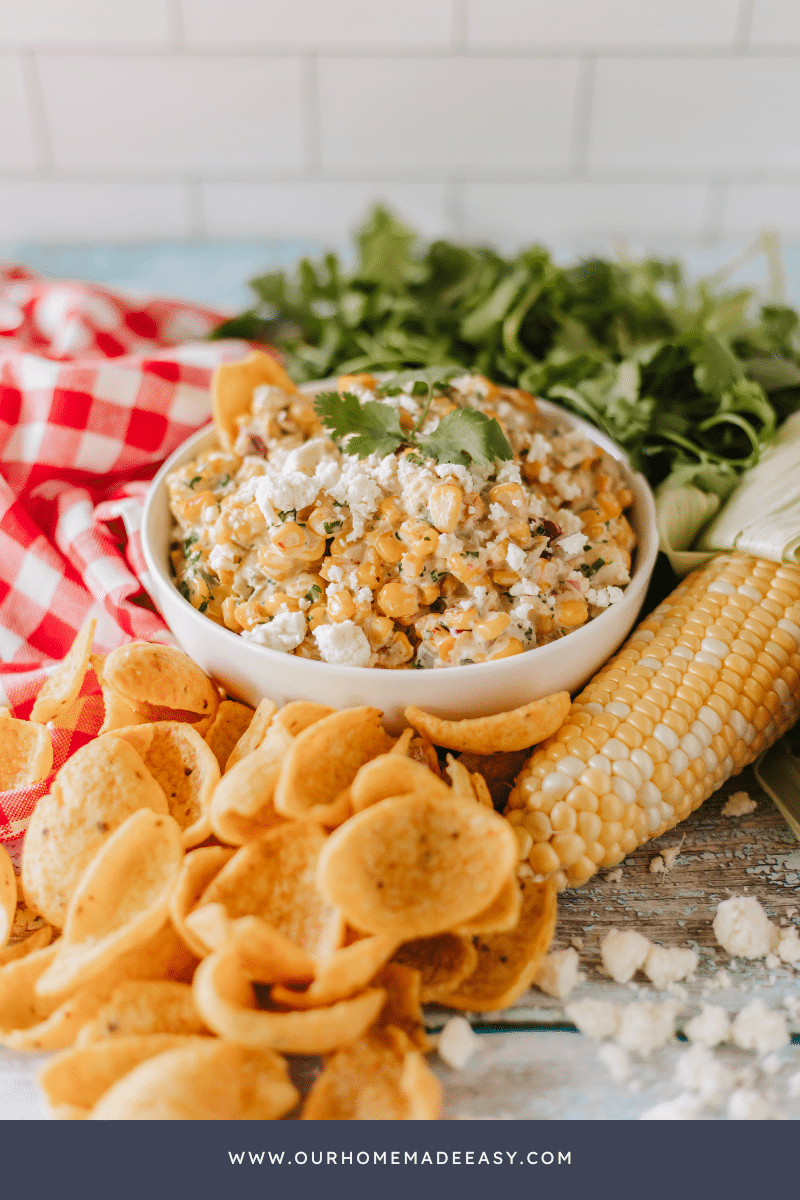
(96, 390)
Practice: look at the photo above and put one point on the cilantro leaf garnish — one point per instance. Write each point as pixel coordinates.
(462, 437)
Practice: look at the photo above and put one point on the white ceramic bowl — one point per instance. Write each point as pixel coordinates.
(251, 672)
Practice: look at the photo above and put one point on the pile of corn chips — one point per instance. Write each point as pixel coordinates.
(224, 887)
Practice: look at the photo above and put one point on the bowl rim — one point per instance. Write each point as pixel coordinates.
(647, 550)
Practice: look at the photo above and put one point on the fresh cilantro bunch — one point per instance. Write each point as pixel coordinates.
(463, 436)
(690, 379)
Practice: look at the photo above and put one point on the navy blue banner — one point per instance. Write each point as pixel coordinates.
(472, 1160)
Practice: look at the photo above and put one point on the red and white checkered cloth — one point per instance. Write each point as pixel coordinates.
(96, 390)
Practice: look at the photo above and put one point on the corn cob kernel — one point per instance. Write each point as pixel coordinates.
(705, 683)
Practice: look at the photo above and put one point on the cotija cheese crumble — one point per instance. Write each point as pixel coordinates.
(397, 560)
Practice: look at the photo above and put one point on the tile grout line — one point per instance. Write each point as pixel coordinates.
(37, 109)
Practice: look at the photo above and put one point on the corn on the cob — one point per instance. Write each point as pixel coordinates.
(703, 685)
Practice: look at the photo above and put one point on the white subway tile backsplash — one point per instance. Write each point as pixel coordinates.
(17, 139)
(317, 24)
(329, 211)
(751, 207)
(58, 210)
(775, 22)
(84, 22)
(446, 113)
(516, 23)
(513, 214)
(696, 114)
(171, 113)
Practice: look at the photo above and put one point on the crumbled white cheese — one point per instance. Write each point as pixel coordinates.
(623, 952)
(222, 558)
(644, 1026)
(699, 1070)
(515, 557)
(364, 596)
(565, 486)
(572, 545)
(598, 1019)
(284, 632)
(710, 1027)
(747, 1105)
(758, 1028)
(789, 945)
(738, 805)
(558, 973)
(457, 1043)
(285, 493)
(793, 1086)
(604, 596)
(614, 876)
(345, 644)
(657, 866)
(307, 457)
(539, 449)
(669, 964)
(743, 929)
(615, 1060)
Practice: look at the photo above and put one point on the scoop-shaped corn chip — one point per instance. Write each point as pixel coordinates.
(402, 1008)
(184, 766)
(393, 775)
(342, 974)
(37, 941)
(404, 741)
(508, 962)
(119, 714)
(121, 900)
(275, 878)
(26, 753)
(197, 871)
(298, 715)
(64, 684)
(208, 1080)
(266, 955)
(378, 1078)
(95, 791)
(75, 1080)
(229, 725)
(323, 761)
(255, 733)
(232, 387)
(499, 916)
(241, 806)
(423, 751)
(32, 1022)
(526, 726)
(443, 961)
(144, 1006)
(467, 785)
(152, 677)
(416, 865)
(8, 895)
(226, 1001)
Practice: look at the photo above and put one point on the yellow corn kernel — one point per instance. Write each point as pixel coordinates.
(272, 603)
(420, 536)
(341, 605)
(412, 566)
(444, 505)
(464, 568)
(249, 613)
(391, 510)
(194, 507)
(459, 618)
(492, 626)
(288, 537)
(503, 577)
(278, 566)
(326, 521)
(379, 630)
(474, 508)
(514, 646)
(624, 497)
(368, 575)
(399, 650)
(229, 614)
(317, 615)
(570, 613)
(398, 599)
(389, 548)
(510, 496)
(608, 505)
(544, 622)
(444, 648)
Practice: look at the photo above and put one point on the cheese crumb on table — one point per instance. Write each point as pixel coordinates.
(710, 1027)
(747, 1105)
(457, 1043)
(743, 929)
(558, 973)
(758, 1028)
(789, 946)
(669, 964)
(684, 1107)
(643, 1026)
(700, 1071)
(616, 1060)
(623, 952)
(598, 1019)
(738, 805)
